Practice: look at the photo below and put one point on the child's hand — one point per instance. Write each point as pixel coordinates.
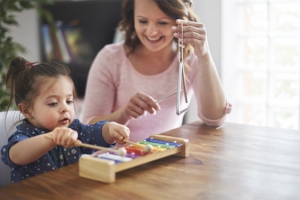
(118, 132)
(65, 137)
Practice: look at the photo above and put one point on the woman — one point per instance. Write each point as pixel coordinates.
(132, 75)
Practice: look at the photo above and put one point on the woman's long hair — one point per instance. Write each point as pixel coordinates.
(176, 9)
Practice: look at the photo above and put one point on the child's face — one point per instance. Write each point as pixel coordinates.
(54, 106)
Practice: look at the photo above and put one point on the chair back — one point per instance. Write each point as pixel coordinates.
(8, 123)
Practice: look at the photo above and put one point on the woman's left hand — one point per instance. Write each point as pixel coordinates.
(194, 33)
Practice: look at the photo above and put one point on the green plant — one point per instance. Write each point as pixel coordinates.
(9, 48)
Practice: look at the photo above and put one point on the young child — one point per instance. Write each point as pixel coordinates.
(44, 93)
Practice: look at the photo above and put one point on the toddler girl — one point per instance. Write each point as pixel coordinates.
(44, 94)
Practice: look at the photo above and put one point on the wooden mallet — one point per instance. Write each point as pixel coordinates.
(121, 151)
(147, 148)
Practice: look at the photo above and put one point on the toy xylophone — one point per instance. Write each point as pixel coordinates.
(104, 167)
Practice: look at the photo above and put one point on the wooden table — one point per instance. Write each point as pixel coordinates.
(234, 162)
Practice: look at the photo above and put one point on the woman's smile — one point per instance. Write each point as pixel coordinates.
(153, 39)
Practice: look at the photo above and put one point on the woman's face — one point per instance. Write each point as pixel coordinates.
(152, 26)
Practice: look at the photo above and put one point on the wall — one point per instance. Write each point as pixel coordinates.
(27, 34)
(208, 11)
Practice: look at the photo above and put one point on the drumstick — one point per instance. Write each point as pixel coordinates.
(147, 148)
(121, 151)
(163, 98)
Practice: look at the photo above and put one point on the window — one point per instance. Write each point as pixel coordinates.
(261, 61)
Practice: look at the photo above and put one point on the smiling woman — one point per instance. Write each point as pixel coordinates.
(154, 30)
(129, 77)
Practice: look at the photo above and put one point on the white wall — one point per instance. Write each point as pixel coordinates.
(208, 11)
(228, 53)
(27, 34)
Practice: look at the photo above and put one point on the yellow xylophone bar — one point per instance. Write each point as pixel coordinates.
(105, 170)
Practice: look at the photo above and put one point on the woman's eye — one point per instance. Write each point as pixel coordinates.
(162, 23)
(143, 21)
(69, 102)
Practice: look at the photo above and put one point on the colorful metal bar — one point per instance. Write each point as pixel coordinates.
(114, 157)
(154, 144)
(163, 142)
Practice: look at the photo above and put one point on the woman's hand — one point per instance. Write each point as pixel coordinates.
(118, 132)
(140, 103)
(65, 137)
(194, 33)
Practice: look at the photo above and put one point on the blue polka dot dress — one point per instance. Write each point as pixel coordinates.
(57, 157)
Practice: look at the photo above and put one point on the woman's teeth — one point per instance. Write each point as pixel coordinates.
(153, 39)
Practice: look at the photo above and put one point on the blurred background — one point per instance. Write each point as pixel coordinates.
(255, 45)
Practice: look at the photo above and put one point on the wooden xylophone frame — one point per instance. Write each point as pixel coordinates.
(105, 170)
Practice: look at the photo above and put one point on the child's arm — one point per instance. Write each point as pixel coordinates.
(114, 132)
(31, 149)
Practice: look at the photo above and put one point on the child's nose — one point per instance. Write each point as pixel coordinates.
(65, 108)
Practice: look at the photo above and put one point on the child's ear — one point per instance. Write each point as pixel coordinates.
(25, 110)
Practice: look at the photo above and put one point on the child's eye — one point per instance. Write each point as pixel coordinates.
(52, 104)
(69, 102)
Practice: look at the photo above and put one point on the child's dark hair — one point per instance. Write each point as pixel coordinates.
(24, 78)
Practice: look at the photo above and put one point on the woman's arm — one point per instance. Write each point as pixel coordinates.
(211, 96)
(118, 116)
(102, 90)
(100, 93)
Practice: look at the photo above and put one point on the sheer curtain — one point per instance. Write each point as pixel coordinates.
(261, 61)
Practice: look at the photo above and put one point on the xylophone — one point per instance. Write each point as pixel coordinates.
(104, 167)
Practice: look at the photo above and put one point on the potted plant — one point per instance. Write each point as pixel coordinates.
(9, 48)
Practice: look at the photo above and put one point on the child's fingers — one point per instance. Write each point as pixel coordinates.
(78, 143)
(65, 137)
(127, 130)
(58, 135)
(122, 132)
(70, 138)
(118, 132)
(124, 135)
